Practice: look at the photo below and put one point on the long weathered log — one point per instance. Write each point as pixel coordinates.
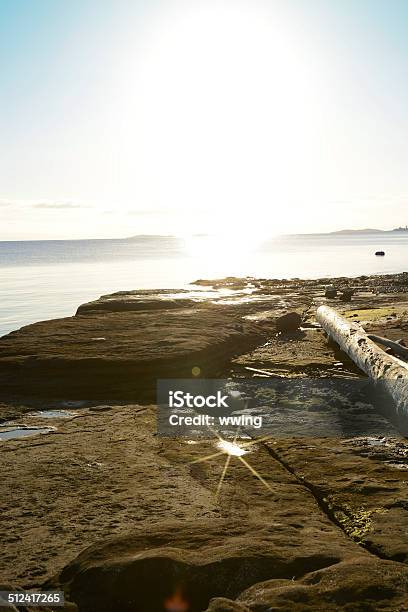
(383, 369)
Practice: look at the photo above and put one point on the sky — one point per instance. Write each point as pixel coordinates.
(239, 117)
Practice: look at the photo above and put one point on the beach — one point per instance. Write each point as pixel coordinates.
(104, 507)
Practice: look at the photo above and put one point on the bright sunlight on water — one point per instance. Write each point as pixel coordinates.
(46, 279)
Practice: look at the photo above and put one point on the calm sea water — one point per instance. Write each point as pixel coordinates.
(46, 279)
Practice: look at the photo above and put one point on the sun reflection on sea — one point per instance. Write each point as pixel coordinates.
(220, 249)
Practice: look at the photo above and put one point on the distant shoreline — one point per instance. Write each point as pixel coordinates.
(344, 232)
(370, 231)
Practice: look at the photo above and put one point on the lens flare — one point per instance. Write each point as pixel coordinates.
(176, 603)
(230, 448)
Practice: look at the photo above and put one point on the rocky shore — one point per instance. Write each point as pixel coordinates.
(122, 519)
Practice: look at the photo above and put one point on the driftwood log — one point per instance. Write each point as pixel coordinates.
(389, 373)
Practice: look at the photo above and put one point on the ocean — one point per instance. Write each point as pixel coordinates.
(49, 278)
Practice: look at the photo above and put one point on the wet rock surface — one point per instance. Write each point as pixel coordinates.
(122, 519)
(114, 507)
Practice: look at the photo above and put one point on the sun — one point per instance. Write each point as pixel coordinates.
(218, 111)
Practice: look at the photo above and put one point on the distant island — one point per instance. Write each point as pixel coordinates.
(343, 232)
(360, 231)
(370, 231)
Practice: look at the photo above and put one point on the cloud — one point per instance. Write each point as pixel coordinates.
(150, 211)
(58, 205)
(45, 204)
(162, 211)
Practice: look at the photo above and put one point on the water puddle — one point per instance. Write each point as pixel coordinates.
(397, 466)
(53, 414)
(23, 432)
(372, 441)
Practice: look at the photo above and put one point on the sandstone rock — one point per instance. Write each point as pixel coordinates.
(306, 354)
(346, 295)
(330, 292)
(367, 584)
(148, 523)
(149, 299)
(134, 517)
(60, 358)
(220, 604)
(366, 498)
(291, 321)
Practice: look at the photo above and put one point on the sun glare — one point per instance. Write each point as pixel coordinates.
(230, 448)
(221, 106)
(215, 247)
